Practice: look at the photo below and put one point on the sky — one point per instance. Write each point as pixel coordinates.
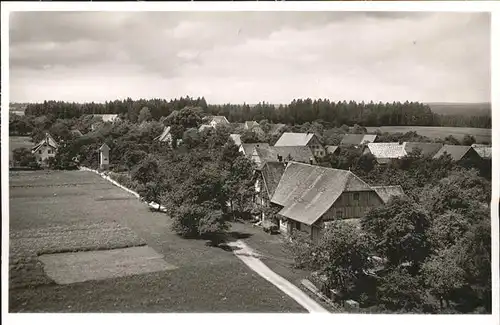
(250, 57)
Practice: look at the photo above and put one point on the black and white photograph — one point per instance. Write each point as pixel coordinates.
(199, 161)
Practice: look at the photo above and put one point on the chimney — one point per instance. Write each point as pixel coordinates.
(280, 158)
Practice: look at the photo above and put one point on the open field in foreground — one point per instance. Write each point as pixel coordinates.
(481, 135)
(54, 211)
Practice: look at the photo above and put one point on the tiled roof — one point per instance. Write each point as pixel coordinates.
(306, 192)
(483, 150)
(357, 139)
(250, 124)
(387, 150)
(386, 192)
(204, 126)
(298, 154)
(288, 139)
(271, 174)
(428, 149)
(368, 138)
(248, 147)
(456, 152)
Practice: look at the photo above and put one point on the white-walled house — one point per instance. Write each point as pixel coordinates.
(45, 149)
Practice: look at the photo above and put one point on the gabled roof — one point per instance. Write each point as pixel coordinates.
(387, 150)
(290, 139)
(48, 140)
(204, 126)
(306, 192)
(236, 138)
(271, 175)
(164, 136)
(386, 192)
(456, 152)
(219, 119)
(249, 147)
(297, 154)
(357, 139)
(428, 149)
(483, 150)
(331, 149)
(250, 124)
(107, 117)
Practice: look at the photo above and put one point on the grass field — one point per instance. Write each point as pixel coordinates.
(64, 211)
(481, 135)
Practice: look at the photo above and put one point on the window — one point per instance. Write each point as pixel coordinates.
(356, 196)
(339, 214)
(50, 152)
(40, 152)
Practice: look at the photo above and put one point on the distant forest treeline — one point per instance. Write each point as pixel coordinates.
(298, 111)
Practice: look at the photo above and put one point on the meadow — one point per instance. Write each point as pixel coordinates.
(56, 211)
(436, 132)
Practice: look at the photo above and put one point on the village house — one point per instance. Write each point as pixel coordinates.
(483, 150)
(458, 153)
(426, 149)
(104, 118)
(254, 127)
(357, 139)
(166, 137)
(289, 139)
(261, 155)
(247, 148)
(311, 196)
(45, 149)
(385, 152)
(213, 122)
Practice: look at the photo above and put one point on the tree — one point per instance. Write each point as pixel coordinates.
(400, 290)
(468, 140)
(134, 157)
(250, 137)
(341, 255)
(239, 185)
(399, 230)
(443, 275)
(146, 171)
(24, 158)
(144, 115)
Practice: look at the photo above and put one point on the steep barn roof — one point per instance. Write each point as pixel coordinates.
(387, 150)
(483, 150)
(456, 152)
(427, 149)
(298, 154)
(236, 138)
(249, 147)
(48, 140)
(271, 174)
(306, 192)
(386, 192)
(290, 139)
